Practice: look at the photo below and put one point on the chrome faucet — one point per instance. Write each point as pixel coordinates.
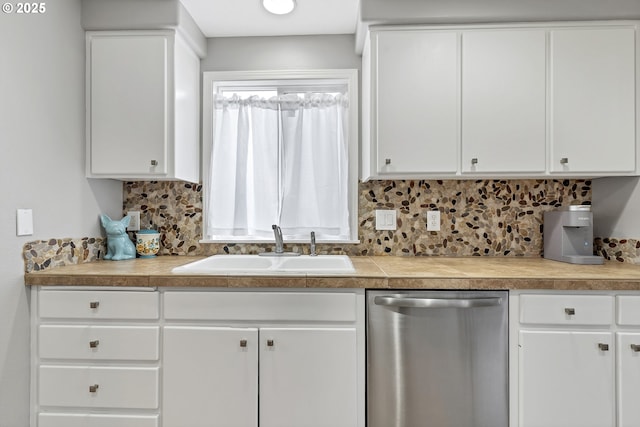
(312, 245)
(277, 232)
(279, 250)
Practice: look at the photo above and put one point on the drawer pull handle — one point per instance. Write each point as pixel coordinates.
(603, 347)
(570, 311)
(154, 163)
(635, 347)
(243, 343)
(270, 343)
(93, 388)
(94, 344)
(474, 161)
(564, 160)
(94, 304)
(387, 161)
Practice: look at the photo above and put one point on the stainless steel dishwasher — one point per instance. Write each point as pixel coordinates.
(437, 359)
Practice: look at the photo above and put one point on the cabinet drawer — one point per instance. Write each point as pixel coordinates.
(98, 304)
(96, 420)
(260, 306)
(566, 309)
(98, 342)
(628, 310)
(117, 387)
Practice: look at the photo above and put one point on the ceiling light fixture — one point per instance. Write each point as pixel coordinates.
(279, 7)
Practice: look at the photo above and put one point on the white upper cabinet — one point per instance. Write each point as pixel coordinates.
(503, 101)
(143, 95)
(415, 102)
(592, 90)
(509, 100)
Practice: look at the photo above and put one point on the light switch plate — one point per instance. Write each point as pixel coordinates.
(134, 223)
(385, 219)
(24, 222)
(433, 221)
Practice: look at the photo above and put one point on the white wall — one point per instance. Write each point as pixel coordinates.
(41, 167)
(279, 53)
(616, 207)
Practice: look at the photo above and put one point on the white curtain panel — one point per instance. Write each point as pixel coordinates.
(315, 167)
(279, 161)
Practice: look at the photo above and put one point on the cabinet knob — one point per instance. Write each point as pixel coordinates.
(243, 343)
(270, 343)
(564, 160)
(570, 311)
(94, 304)
(603, 347)
(635, 347)
(474, 161)
(387, 161)
(93, 388)
(154, 163)
(94, 344)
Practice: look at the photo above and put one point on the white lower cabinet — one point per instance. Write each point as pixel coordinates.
(284, 373)
(308, 377)
(210, 376)
(578, 359)
(95, 358)
(628, 352)
(567, 379)
(628, 345)
(209, 358)
(98, 387)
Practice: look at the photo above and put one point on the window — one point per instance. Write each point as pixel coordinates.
(280, 148)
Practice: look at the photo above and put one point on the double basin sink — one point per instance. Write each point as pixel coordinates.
(268, 265)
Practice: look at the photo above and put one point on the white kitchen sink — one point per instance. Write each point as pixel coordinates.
(268, 265)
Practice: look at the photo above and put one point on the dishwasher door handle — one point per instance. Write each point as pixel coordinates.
(413, 302)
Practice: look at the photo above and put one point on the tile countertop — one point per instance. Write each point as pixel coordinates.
(371, 272)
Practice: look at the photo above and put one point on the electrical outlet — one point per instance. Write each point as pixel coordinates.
(433, 221)
(134, 223)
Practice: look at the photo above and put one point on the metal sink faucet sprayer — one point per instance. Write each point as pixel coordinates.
(312, 244)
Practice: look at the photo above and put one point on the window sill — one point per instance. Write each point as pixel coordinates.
(272, 242)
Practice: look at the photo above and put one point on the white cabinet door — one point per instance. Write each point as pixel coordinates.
(503, 101)
(628, 379)
(566, 379)
(592, 78)
(128, 93)
(210, 377)
(308, 377)
(416, 102)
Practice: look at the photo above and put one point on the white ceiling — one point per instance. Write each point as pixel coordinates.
(235, 18)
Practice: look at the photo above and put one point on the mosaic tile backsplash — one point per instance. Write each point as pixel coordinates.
(43, 254)
(623, 250)
(478, 217)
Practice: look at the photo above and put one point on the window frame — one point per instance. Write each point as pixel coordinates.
(212, 80)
